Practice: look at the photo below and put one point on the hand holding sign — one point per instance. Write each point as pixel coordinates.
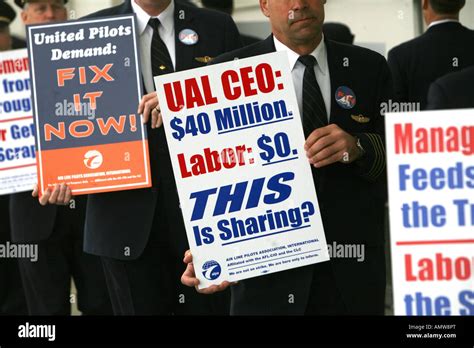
(189, 278)
(149, 106)
(61, 195)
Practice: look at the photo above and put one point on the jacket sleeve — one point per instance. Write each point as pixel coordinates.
(437, 98)
(400, 90)
(372, 166)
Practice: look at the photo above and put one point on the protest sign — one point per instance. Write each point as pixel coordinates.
(245, 184)
(17, 132)
(431, 199)
(86, 90)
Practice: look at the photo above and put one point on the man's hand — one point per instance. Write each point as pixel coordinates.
(189, 278)
(149, 106)
(330, 144)
(61, 195)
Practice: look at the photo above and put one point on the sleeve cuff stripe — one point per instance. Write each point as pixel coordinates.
(379, 154)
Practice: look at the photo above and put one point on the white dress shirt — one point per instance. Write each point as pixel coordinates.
(145, 33)
(321, 70)
(442, 22)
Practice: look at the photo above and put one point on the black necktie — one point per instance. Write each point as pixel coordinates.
(161, 62)
(314, 108)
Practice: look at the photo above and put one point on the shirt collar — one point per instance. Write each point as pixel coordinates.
(166, 17)
(320, 53)
(442, 22)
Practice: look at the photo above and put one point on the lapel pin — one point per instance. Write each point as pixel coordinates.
(188, 37)
(346, 98)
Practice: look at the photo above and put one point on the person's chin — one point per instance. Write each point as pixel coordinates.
(305, 32)
(305, 26)
(307, 22)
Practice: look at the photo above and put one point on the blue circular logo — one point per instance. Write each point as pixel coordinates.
(211, 270)
(345, 97)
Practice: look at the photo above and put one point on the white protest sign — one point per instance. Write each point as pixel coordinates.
(17, 131)
(431, 199)
(245, 184)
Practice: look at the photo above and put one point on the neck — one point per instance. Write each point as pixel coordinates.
(153, 8)
(303, 47)
(437, 17)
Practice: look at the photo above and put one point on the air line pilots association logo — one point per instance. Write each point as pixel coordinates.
(211, 270)
(93, 159)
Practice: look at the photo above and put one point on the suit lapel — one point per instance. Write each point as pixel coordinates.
(183, 19)
(267, 45)
(337, 77)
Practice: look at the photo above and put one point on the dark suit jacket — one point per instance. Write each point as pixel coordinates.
(419, 62)
(453, 91)
(120, 220)
(249, 40)
(4, 237)
(351, 197)
(31, 222)
(18, 43)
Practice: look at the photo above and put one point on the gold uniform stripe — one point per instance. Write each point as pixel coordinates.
(380, 156)
(376, 157)
(379, 152)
